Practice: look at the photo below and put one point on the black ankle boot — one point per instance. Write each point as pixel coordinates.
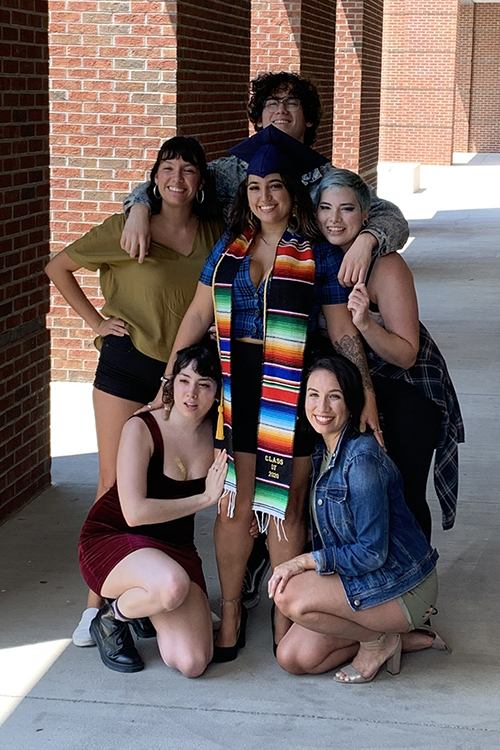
(143, 627)
(114, 642)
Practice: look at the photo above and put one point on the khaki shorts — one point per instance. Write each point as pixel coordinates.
(418, 603)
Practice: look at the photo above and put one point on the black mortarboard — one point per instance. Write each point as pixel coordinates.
(270, 150)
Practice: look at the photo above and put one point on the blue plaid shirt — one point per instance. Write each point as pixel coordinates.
(248, 302)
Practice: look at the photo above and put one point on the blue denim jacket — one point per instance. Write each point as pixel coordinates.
(361, 526)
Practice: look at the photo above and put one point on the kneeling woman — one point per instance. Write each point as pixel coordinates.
(137, 547)
(371, 575)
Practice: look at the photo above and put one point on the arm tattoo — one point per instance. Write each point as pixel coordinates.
(352, 348)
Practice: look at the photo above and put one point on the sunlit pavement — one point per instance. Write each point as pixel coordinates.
(54, 695)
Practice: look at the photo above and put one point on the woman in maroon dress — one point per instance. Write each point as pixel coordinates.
(137, 544)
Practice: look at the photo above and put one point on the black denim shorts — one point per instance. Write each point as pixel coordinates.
(126, 373)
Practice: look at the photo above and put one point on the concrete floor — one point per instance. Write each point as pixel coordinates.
(54, 695)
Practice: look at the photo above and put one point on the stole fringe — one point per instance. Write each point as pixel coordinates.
(263, 520)
(231, 503)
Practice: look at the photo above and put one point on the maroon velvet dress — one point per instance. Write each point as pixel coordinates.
(106, 538)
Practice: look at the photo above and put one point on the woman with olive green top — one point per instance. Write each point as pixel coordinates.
(144, 303)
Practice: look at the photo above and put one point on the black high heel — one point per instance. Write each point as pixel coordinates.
(275, 645)
(229, 653)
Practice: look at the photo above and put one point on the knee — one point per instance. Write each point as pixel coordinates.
(287, 604)
(242, 512)
(173, 592)
(288, 657)
(194, 664)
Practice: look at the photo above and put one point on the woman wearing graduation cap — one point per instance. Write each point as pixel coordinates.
(264, 284)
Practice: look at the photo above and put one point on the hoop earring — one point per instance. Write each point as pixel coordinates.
(252, 221)
(294, 220)
(156, 192)
(200, 200)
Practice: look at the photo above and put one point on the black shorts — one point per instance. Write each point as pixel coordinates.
(126, 373)
(246, 384)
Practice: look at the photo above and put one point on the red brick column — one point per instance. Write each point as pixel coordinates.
(358, 51)
(124, 77)
(298, 35)
(463, 77)
(24, 218)
(484, 128)
(213, 61)
(418, 81)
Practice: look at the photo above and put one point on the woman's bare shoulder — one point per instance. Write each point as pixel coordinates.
(393, 266)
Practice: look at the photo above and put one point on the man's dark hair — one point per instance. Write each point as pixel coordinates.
(264, 86)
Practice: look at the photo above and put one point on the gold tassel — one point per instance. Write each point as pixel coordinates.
(219, 433)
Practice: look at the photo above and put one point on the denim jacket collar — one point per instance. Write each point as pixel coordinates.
(317, 457)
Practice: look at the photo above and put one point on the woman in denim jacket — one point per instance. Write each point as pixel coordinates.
(371, 575)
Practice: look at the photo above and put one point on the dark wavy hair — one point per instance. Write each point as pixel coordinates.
(302, 219)
(265, 85)
(349, 379)
(191, 150)
(204, 359)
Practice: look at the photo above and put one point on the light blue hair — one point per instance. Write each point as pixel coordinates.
(339, 178)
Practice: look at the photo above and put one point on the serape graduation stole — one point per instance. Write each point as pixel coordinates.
(288, 300)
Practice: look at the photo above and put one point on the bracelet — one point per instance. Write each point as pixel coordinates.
(165, 380)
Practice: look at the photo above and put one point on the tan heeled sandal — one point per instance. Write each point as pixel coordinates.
(439, 642)
(392, 663)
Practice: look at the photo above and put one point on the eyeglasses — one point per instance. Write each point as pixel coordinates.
(290, 104)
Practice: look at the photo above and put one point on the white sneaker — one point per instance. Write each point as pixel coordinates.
(81, 635)
(215, 620)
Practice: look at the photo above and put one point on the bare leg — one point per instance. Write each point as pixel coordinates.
(149, 583)
(111, 413)
(233, 545)
(303, 651)
(295, 528)
(185, 637)
(319, 603)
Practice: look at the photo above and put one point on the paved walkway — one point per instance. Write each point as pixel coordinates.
(53, 695)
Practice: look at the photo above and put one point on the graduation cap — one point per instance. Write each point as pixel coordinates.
(270, 150)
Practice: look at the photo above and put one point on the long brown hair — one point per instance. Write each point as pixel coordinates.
(301, 222)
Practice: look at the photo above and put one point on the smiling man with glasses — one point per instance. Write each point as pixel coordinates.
(291, 103)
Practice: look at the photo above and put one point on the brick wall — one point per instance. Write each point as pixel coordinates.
(275, 39)
(463, 77)
(484, 128)
(298, 36)
(124, 77)
(24, 218)
(358, 53)
(112, 102)
(213, 58)
(317, 61)
(418, 81)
